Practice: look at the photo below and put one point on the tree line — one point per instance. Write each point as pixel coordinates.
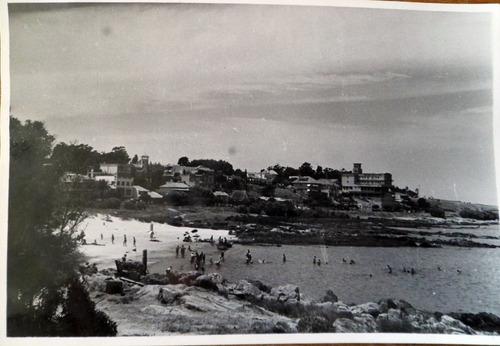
(45, 292)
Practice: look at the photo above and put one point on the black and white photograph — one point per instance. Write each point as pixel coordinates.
(273, 172)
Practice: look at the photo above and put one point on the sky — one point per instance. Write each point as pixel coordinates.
(404, 92)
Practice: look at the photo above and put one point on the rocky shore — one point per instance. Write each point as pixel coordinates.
(332, 228)
(191, 303)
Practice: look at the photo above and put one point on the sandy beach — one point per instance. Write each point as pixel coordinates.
(166, 238)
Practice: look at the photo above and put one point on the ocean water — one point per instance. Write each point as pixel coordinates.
(448, 279)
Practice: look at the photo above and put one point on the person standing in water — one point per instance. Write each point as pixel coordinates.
(124, 240)
(284, 258)
(112, 238)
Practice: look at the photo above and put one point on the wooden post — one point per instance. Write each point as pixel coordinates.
(145, 259)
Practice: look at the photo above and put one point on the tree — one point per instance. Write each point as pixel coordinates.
(306, 170)
(183, 161)
(117, 155)
(76, 158)
(43, 234)
(135, 159)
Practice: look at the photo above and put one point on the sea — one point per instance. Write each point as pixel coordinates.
(447, 279)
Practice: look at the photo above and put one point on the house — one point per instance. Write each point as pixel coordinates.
(263, 177)
(221, 197)
(173, 186)
(357, 183)
(199, 176)
(305, 186)
(123, 179)
(138, 191)
(329, 187)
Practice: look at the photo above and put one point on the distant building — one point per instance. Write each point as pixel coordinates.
(199, 176)
(123, 179)
(305, 186)
(173, 186)
(263, 177)
(358, 183)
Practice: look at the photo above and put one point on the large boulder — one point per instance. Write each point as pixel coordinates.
(367, 308)
(454, 326)
(170, 294)
(330, 297)
(314, 324)
(114, 287)
(260, 285)
(386, 304)
(188, 278)
(155, 279)
(246, 290)
(482, 321)
(285, 293)
(362, 324)
(209, 281)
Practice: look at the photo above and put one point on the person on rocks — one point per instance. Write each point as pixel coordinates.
(183, 251)
(112, 238)
(249, 257)
(177, 251)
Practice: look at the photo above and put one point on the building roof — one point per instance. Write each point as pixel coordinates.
(153, 194)
(173, 186)
(140, 188)
(220, 194)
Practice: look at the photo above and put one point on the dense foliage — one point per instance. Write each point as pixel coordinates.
(43, 234)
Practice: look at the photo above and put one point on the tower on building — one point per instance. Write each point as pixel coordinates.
(357, 168)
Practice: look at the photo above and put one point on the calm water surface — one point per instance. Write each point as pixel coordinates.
(469, 279)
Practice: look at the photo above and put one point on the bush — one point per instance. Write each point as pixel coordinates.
(108, 203)
(437, 212)
(485, 215)
(134, 205)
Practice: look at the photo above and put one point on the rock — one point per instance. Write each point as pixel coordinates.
(285, 293)
(209, 281)
(170, 294)
(260, 285)
(154, 279)
(114, 287)
(246, 290)
(281, 327)
(363, 324)
(367, 308)
(387, 304)
(188, 277)
(330, 297)
(392, 322)
(482, 321)
(314, 324)
(222, 290)
(454, 326)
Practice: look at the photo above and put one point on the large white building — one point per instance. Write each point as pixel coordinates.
(357, 183)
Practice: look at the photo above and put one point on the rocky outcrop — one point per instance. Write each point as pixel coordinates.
(207, 304)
